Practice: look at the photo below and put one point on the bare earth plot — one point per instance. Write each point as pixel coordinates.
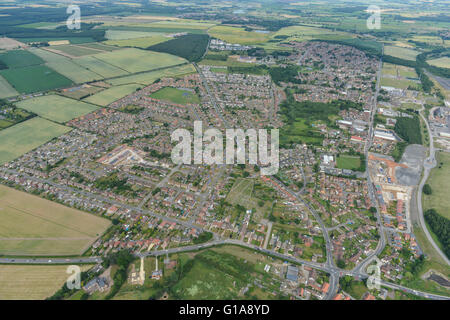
(35, 226)
(57, 108)
(26, 136)
(32, 282)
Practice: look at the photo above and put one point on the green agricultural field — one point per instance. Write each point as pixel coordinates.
(57, 108)
(238, 35)
(440, 184)
(67, 67)
(103, 68)
(35, 226)
(112, 94)
(402, 53)
(136, 60)
(398, 71)
(6, 90)
(398, 83)
(98, 46)
(149, 77)
(24, 79)
(74, 50)
(32, 282)
(443, 62)
(26, 136)
(139, 42)
(19, 59)
(176, 95)
(348, 162)
(303, 33)
(126, 35)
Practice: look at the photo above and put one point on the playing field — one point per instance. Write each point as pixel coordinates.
(402, 53)
(440, 184)
(176, 95)
(36, 226)
(24, 79)
(112, 94)
(149, 77)
(6, 90)
(19, 59)
(32, 282)
(237, 35)
(135, 60)
(443, 62)
(348, 162)
(26, 136)
(57, 108)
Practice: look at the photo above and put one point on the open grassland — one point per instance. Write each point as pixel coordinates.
(399, 83)
(126, 35)
(443, 62)
(32, 282)
(440, 184)
(238, 35)
(103, 68)
(19, 59)
(36, 226)
(139, 42)
(135, 60)
(56, 108)
(176, 95)
(149, 77)
(73, 50)
(35, 78)
(67, 67)
(398, 71)
(26, 136)
(112, 94)
(402, 53)
(303, 33)
(6, 90)
(98, 46)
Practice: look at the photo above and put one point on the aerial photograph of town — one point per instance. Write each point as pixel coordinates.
(218, 150)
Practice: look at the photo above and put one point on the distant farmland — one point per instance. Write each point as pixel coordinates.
(56, 108)
(26, 136)
(35, 226)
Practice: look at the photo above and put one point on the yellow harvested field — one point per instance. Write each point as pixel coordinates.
(32, 282)
(35, 226)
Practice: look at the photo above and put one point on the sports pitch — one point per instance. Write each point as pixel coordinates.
(26, 136)
(35, 226)
(56, 108)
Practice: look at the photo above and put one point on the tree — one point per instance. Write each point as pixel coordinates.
(427, 189)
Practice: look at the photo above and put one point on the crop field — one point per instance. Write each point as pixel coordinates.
(126, 35)
(440, 184)
(35, 226)
(136, 60)
(348, 162)
(57, 108)
(26, 136)
(398, 71)
(74, 50)
(149, 77)
(100, 67)
(238, 35)
(303, 33)
(67, 67)
(400, 84)
(20, 58)
(6, 90)
(139, 42)
(32, 282)
(112, 94)
(176, 95)
(402, 53)
(24, 79)
(98, 46)
(443, 62)
(80, 92)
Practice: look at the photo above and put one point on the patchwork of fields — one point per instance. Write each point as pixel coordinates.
(26, 136)
(35, 226)
(56, 108)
